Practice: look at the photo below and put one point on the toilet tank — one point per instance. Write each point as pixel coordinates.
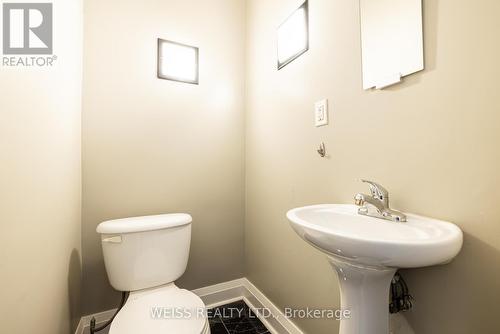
(145, 252)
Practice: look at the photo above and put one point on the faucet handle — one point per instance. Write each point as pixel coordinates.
(378, 191)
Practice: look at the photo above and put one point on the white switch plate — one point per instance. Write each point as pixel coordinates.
(321, 113)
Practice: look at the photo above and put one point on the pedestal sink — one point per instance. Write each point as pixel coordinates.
(366, 252)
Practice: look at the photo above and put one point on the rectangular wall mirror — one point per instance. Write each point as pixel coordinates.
(391, 41)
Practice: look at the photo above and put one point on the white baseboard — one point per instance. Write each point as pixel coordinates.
(100, 318)
(242, 288)
(225, 293)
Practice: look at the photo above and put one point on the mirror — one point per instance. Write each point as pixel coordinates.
(391, 41)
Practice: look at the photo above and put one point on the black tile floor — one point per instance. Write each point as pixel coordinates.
(235, 318)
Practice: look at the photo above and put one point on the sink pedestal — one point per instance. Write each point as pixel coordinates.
(365, 292)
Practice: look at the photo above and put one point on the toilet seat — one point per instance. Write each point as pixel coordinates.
(162, 310)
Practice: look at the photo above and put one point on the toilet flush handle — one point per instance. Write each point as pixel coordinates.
(113, 240)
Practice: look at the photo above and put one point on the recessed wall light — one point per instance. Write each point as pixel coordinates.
(293, 36)
(177, 62)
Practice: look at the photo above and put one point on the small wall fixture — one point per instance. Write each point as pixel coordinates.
(177, 62)
(322, 150)
(293, 36)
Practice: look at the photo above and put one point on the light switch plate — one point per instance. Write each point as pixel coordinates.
(321, 113)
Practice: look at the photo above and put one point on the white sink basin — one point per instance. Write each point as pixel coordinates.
(338, 230)
(366, 252)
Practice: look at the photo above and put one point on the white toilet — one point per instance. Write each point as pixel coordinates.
(145, 255)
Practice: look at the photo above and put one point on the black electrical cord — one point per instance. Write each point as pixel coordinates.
(93, 329)
(401, 300)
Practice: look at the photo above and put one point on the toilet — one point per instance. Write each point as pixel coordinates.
(145, 255)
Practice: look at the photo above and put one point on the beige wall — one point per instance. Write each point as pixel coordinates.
(433, 141)
(154, 146)
(40, 112)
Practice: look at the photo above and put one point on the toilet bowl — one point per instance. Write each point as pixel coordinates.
(145, 255)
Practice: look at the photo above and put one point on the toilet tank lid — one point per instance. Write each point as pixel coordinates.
(143, 224)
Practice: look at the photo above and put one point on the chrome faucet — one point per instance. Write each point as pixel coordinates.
(377, 204)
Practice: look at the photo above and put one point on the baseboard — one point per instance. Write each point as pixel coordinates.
(242, 288)
(100, 318)
(224, 293)
(281, 324)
